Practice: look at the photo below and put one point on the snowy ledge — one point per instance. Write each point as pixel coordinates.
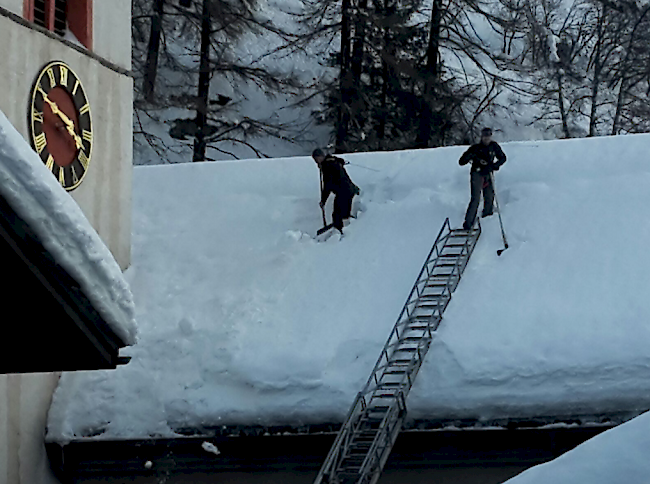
(64, 231)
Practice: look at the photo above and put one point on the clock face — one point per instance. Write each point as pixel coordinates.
(60, 124)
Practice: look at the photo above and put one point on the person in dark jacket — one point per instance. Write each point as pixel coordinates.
(486, 157)
(335, 180)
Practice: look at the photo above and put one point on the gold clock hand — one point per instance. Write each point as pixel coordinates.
(67, 121)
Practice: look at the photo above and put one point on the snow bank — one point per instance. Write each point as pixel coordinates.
(618, 455)
(38, 198)
(244, 319)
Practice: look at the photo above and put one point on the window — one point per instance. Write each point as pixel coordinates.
(62, 17)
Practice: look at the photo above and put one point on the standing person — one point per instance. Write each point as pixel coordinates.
(482, 156)
(337, 181)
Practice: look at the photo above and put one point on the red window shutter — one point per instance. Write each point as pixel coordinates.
(80, 21)
(28, 10)
(50, 7)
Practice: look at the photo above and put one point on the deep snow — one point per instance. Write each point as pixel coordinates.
(246, 320)
(38, 198)
(613, 457)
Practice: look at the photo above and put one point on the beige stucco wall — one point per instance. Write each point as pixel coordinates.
(105, 194)
(15, 6)
(24, 402)
(112, 31)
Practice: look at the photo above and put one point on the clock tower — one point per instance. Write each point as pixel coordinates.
(66, 87)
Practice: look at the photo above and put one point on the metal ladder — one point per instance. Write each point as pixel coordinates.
(366, 439)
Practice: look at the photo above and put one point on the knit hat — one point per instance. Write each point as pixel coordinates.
(317, 152)
(486, 132)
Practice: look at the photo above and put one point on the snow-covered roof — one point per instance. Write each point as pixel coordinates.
(616, 456)
(64, 231)
(245, 319)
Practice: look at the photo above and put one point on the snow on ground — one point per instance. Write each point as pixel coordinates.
(64, 231)
(618, 455)
(245, 319)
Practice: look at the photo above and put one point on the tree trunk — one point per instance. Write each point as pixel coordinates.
(388, 73)
(619, 107)
(598, 67)
(357, 63)
(343, 122)
(560, 91)
(432, 75)
(153, 51)
(204, 85)
(625, 86)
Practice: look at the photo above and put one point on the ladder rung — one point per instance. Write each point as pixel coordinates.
(433, 297)
(352, 470)
(430, 307)
(379, 408)
(411, 338)
(408, 350)
(361, 445)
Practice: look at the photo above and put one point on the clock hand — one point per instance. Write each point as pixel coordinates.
(67, 121)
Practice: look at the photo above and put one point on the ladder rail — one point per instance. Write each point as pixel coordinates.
(414, 290)
(378, 424)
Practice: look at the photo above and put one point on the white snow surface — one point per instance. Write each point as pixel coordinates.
(246, 320)
(616, 456)
(64, 231)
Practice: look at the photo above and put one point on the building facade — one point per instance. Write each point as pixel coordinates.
(105, 194)
(92, 38)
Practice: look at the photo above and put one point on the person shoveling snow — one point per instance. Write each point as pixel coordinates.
(482, 156)
(335, 179)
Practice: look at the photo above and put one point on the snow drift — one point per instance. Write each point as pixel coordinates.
(38, 198)
(246, 320)
(618, 455)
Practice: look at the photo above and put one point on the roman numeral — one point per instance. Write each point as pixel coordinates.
(87, 135)
(83, 159)
(62, 176)
(76, 86)
(50, 73)
(84, 109)
(50, 163)
(37, 116)
(64, 75)
(40, 142)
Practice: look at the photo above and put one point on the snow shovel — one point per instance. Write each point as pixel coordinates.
(503, 233)
(326, 226)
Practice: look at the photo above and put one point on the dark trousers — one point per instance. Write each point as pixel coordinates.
(479, 183)
(342, 209)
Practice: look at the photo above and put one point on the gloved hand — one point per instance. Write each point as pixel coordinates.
(496, 167)
(357, 191)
